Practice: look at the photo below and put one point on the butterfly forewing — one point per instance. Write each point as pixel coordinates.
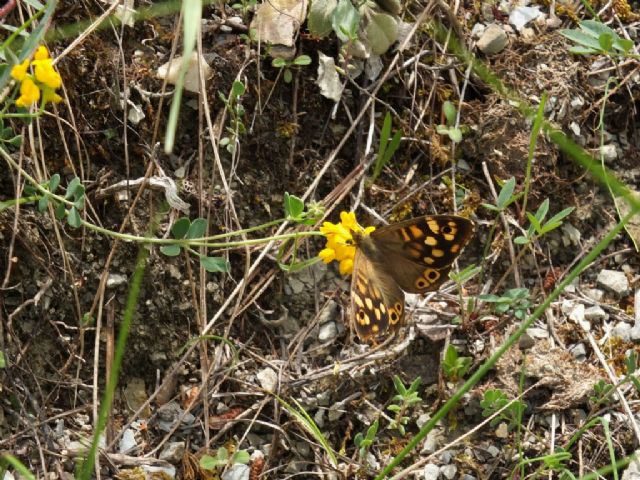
(377, 302)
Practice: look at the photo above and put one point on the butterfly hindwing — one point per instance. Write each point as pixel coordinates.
(377, 302)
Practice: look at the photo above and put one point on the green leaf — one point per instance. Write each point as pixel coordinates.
(400, 388)
(293, 206)
(79, 203)
(42, 203)
(450, 112)
(345, 20)
(181, 227)
(54, 182)
(582, 39)
(170, 250)
(60, 211)
(560, 215)
(534, 222)
(506, 193)
(207, 462)
(606, 42)
(302, 60)
(320, 16)
(381, 30)
(73, 219)
(214, 264)
(520, 240)
(241, 456)
(278, 62)
(197, 229)
(3, 362)
(72, 187)
(455, 134)
(238, 88)
(287, 76)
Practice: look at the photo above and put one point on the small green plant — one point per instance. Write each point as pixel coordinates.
(461, 277)
(405, 398)
(595, 38)
(222, 459)
(515, 300)
(494, 400)
(537, 228)
(364, 442)
(245, 6)
(386, 148)
(236, 111)
(454, 366)
(602, 392)
(286, 65)
(450, 129)
(505, 197)
(185, 229)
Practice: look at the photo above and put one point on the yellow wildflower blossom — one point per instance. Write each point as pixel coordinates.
(29, 93)
(340, 243)
(44, 81)
(19, 72)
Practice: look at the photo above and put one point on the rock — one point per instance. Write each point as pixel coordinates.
(613, 281)
(432, 442)
(335, 412)
(268, 379)
(622, 331)
(502, 431)
(609, 153)
(579, 351)
(633, 470)
(238, 471)
(577, 314)
(431, 472)
(135, 395)
(328, 313)
(448, 471)
(446, 456)
(493, 451)
(173, 452)
(115, 280)
(594, 294)
(127, 442)
(327, 332)
(526, 342)
(595, 314)
(537, 332)
(493, 40)
(520, 16)
(319, 417)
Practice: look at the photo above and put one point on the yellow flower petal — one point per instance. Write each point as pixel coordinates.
(346, 266)
(19, 72)
(327, 255)
(45, 73)
(41, 53)
(29, 93)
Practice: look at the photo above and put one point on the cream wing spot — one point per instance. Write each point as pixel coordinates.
(431, 241)
(438, 253)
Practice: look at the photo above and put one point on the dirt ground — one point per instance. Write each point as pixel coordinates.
(251, 360)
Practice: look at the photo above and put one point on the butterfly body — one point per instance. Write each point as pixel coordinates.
(413, 256)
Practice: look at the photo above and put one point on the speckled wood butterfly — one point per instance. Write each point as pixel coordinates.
(415, 256)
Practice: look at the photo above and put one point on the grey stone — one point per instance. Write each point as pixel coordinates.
(432, 442)
(173, 452)
(431, 472)
(609, 153)
(502, 431)
(594, 294)
(577, 313)
(493, 450)
(446, 456)
(268, 379)
(493, 40)
(622, 331)
(579, 351)
(238, 471)
(448, 471)
(327, 332)
(115, 280)
(614, 281)
(595, 314)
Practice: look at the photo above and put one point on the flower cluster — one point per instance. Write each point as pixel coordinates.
(44, 80)
(340, 243)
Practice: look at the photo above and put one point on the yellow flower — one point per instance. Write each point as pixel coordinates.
(41, 53)
(19, 72)
(340, 245)
(29, 93)
(44, 81)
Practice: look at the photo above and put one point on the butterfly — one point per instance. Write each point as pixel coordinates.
(413, 256)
